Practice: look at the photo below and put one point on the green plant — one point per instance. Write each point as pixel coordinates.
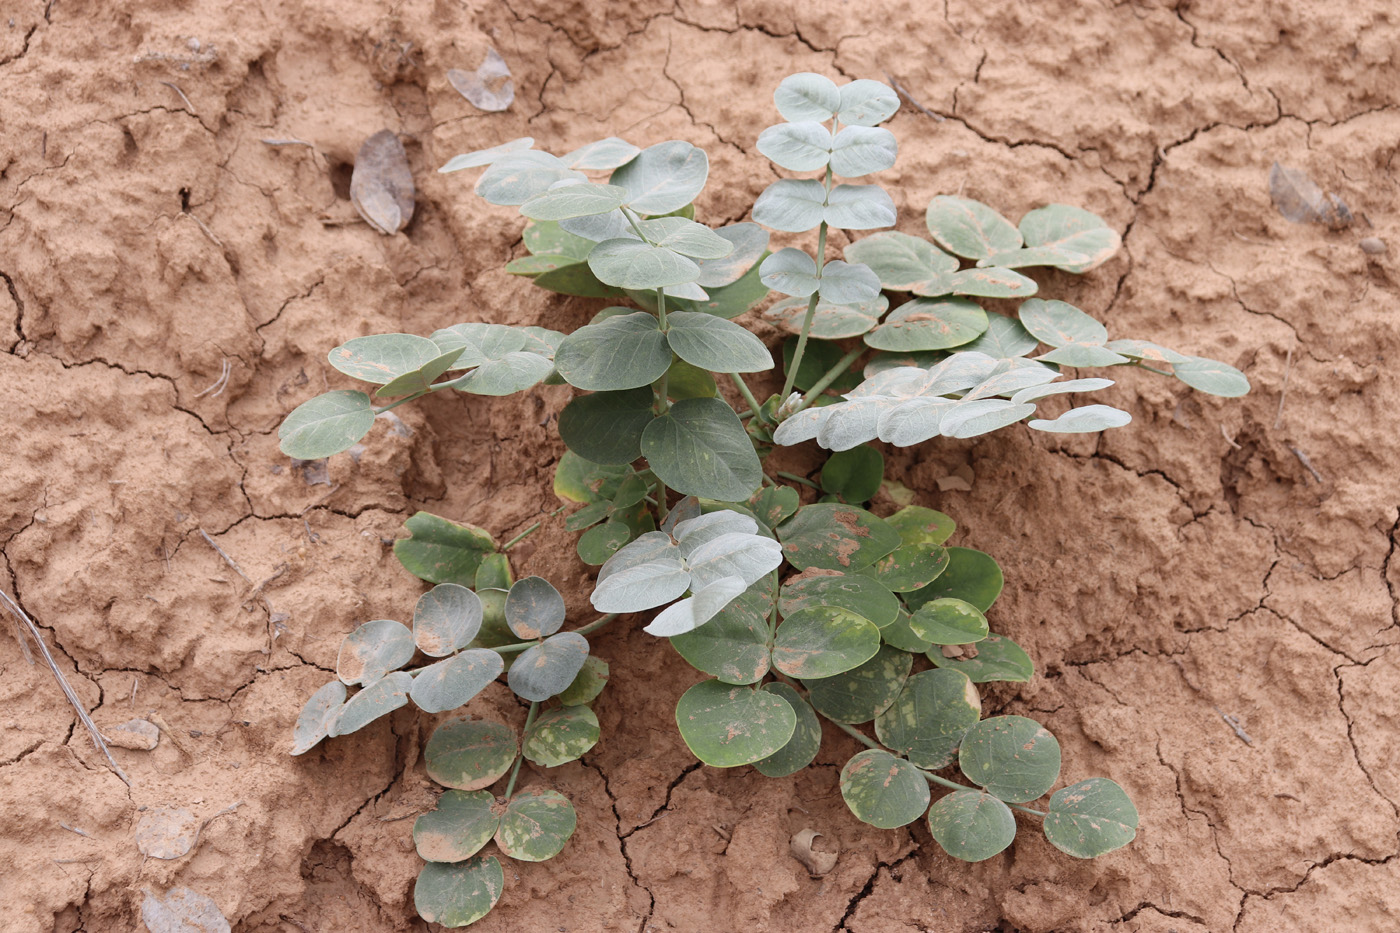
(866, 599)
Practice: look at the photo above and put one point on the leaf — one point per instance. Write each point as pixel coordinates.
(971, 576)
(864, 692)
(1087, 419)
(772, 504)
(732, 646)
(909, 567)
(998, 658)
(1065, 237)
(858, 207)
(182, 911)
(1034, 392)
(606, 427)
(792, 205)
(457, 828)
(575, 199)
(855, 474)
(867, 103)
(829, 321)
(797, 147)
(580, 480)
(860, 150)
(489, 88)
(1209, 376)
(949, 621)
(536, 825)
(630, 263)
(480, 157)
(591, 680)
(791, 272)
(1013, 757)
(750, 242)
(534, 609)
(561, 735)
(991, 283)
(807, 96)
(865, 597)
(920, 526)
(899, 635)
(644, 574)
(516, 178)
(902, 262)
(1059, 323)
(451, 683)
(705, 601)
(728, 726)
(928, 719)
(1148, 352)
(1090, 818)
(686, 237)
(727, 301)
(848, 284)
(373, 650)
(929, 324)
(835, 537)
(1300, 199)
(824, 641)
(970, 228)
(1004, 338)
(700, 448)
(1082, 354)
(485, 344)
(588, 516)
(446, 618)
(378, 699)
(419, 380)
(318, 717)
(971, 825)
(746, 556)
(882, 790)
(469, 754)
(381, 183)
(716, 345)
(548, 668)
(664, 177)
(326, 425)
(458, 894)
(166, 832)
(601, 542)
(806, 740)
(603, 155)
(441, 551)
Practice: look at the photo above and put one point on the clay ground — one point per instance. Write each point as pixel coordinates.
(1215, 557)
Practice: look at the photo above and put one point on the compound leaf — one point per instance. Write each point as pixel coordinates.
(457, 894)
(882, 790)
(326, 425)
(1081, 239)
(462, 823)
(452, 682)
(548, 668)
(469, 754)
(727, 726)
(561, 735)
(1013, 757)
(930, 716)
(971, 825)
(1090, 818)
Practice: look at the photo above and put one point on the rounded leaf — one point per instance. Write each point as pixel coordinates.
(733, 645)
(929, 324)
(630, 263)
(806, 740)
(920, 526)
(382, 358)
(714, 344)
(998, 658)
(899, 635)
(860, 150)
(560, 735)
(797, 147)
(848, 283)
(606, 427)
(859, 207)
(1075, 239)
(664, 177)
(591, 680)
(459, 893)
(480, 157)
(599, 543)
(441, 551)
(970, 228)
(621, 352)
(446, 618)
(728, 726)
(1013, 757)
(824, 641)
(829, 536)
(790, 271)
(807, 96)
(603, 155)
(864, 692)
(750, 242)
(378, 699)
(971, 825)
(1211, 377)
(1059, 323)
(469, 754)
(462, 823)
(373, 650)
(1083, 420)
(902, 262)
(949, 621)
(700, 448)
(574, 200)
(534, 608)
(318, 717)
(884, 791)
(855, 474)
(452, 682)
(536, 825)
(1090, 818)
(793, 205)
(326, 425)
(971, 576)
(1004, 338)
(930, 716)
(991, 283)
(910, 567)
(548, 668)
(866, 103)
(859, 594)
(1082, 355)
(830, 321)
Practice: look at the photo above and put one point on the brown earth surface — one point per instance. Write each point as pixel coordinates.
(1215, 558)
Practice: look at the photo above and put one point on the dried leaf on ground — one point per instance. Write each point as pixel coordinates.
(490, 87)
(167, 832)
(381, 186)
(182, 911)
(818, 863)
(1302, 200)
(137, 734)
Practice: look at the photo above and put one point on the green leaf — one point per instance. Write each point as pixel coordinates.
(700, 448)
(575, 279)
(971, 576)
(772, 504)
(727, 301)
(865, 597)
(848, 283)
(733, 645)
(518, 176)
(458, 894)
(421, 379)
(382, 358)
(546, 238)
(714, 344)
(463, 822)
(807, 96)
(1004, 338)
(920, 526)
(378, 699)
(561, 735)
(534, 609)
(536, 825)
(750, 242)
(548, 668)
(481, 157)
(622, 352)
(928, 324)
(806, 740)
(326, 425)
(591, 680)
(494, 573)
(440, 551)
(971, 825)
(469, 754)
(580, 480)
(882, 790)
(899, 635)
(1013, 757)
(318, 717)
(824, 641)
(446, 618)
(992, 283)
(867, 103)
(576, 200)
(1147, 352)
(686, 237)
(601, 542)
(791, 272)
(855, 475)
(630, 263)
(864, 692)
(830, 321)
(452, 682)
(1083, 239)
(858, 207)
(647, 573)
(373, 650)
(1086, 419)
(902, 262)
(684, 380)
(1081, 355)
(588, 516)
(664, 177)
(970, 228)
(483, 344)
(1209, 376)
(910, 567)
(494, 631)
(797, 147)
(1090, 818)
(604, 155)
(836, 537)
(1059, 323)
(998, 658)
(793, 205)
(982, 416)
(728, 726)
(949, 622)
(860, 150)
(606, 427)
(929, 717)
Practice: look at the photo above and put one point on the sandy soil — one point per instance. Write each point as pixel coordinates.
(1214, 558)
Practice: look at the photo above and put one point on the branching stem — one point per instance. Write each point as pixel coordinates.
(515, 771)
(747, 393)
(798, 479)
(811, 303)
(830, 376)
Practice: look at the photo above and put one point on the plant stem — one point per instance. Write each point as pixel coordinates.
(520, 537)
(811, 303)
(520, 646)
(830, 376)
(407, 398)
(798, 479)
(1141, 365)
(515, 771)
(747, 393)
(856, 734)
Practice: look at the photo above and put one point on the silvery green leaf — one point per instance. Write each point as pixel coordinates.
(807, 96)
(480, 343)
(749, 557)
(900, 382)
(914, 421)
(803, 426)
(885, 360)
(686, 508)
(791, 272)
(793, 205)
(378, 699)
(446, 618)
(860, 150)
(1058, 323)
(1008, 379)
(852, 422)
(643, 574)
(797, 147)
(1083, 354)
(1147, 352)
(1055, 257)
(604, 155)
(621, 352)
(1084, 420)
(902, 262)
(517, 177)
(490, 87)
(704, 603)
(664, 177)
(969, 419)
(480, 157)
(372, 651)
(599, 227)
(690, 533)
(1004, 338)
(716, 345)
(318, 717)
(548, 668)
(929, 324)
(867, 103)
(1083, 237)
(633, 264)
(326, 425)
(420, 379)
(382, 358)
(960, 372)
(859, 207)
(830, 321)
(1033, 392)
(573, 199)
(685, 237)
(750, 242)
(515, 372)
(846, 283)
(534, 608)
(1212, 377)
(970, 228)
(687, 290)
(991, 283)
(452, 682)
(700, 448)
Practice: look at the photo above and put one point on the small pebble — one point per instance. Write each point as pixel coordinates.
(1372, 245)
(135, 734)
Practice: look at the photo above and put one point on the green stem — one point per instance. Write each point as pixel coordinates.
(515, 771)
(520, 537)
(747, 393)
(1161, 372)
(856, 734)
(773, 616)
(798, 479)
(408, 398)
(811, 303)
(830, 376)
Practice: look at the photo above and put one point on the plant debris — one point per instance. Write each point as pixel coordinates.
(1301, 200)
(381, 186)
(490, 87)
